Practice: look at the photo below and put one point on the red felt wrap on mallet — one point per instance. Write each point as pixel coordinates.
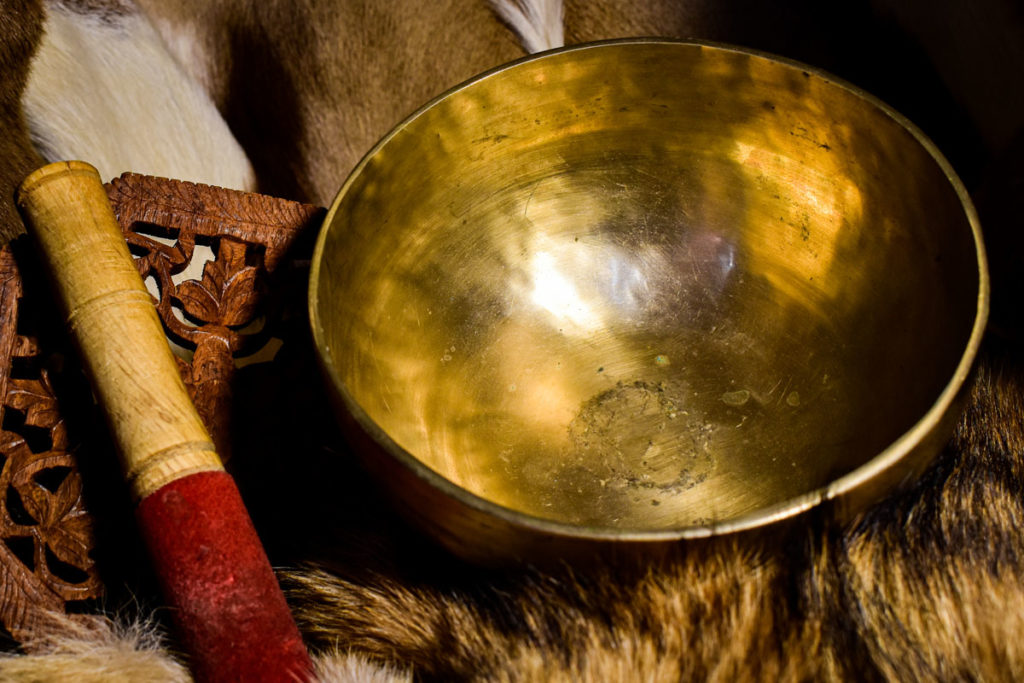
(212, 569)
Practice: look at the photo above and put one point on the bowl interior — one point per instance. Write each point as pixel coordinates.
(646, 285)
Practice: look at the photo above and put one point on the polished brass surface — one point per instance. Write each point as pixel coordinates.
(647, 290)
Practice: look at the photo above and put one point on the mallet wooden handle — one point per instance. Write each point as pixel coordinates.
(228, 607)
(111, 315)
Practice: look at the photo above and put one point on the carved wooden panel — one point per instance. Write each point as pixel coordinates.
(221, 314)
(217, 313)
(46, 532)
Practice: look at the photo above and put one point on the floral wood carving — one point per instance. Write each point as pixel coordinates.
(46, 557)
(47, 534)
(221, 315)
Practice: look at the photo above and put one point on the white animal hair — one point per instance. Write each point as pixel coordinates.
(104, 89)
(96, 649)
(93, 650)
(338, 667)
(537, 23)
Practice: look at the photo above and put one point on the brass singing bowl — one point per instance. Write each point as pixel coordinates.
(646, 290)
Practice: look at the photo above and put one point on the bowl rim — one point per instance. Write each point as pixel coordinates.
(885, 460)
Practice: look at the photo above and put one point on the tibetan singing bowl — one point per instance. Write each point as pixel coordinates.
(646, 290)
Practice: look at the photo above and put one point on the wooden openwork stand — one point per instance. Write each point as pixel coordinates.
(217, 317)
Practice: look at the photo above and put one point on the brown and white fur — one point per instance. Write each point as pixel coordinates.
(285, 97)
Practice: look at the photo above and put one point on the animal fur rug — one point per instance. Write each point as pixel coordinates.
(926, 585)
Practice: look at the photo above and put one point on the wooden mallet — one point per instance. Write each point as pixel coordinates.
(228, 608)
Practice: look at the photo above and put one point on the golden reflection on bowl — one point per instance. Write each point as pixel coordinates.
(646, 290)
